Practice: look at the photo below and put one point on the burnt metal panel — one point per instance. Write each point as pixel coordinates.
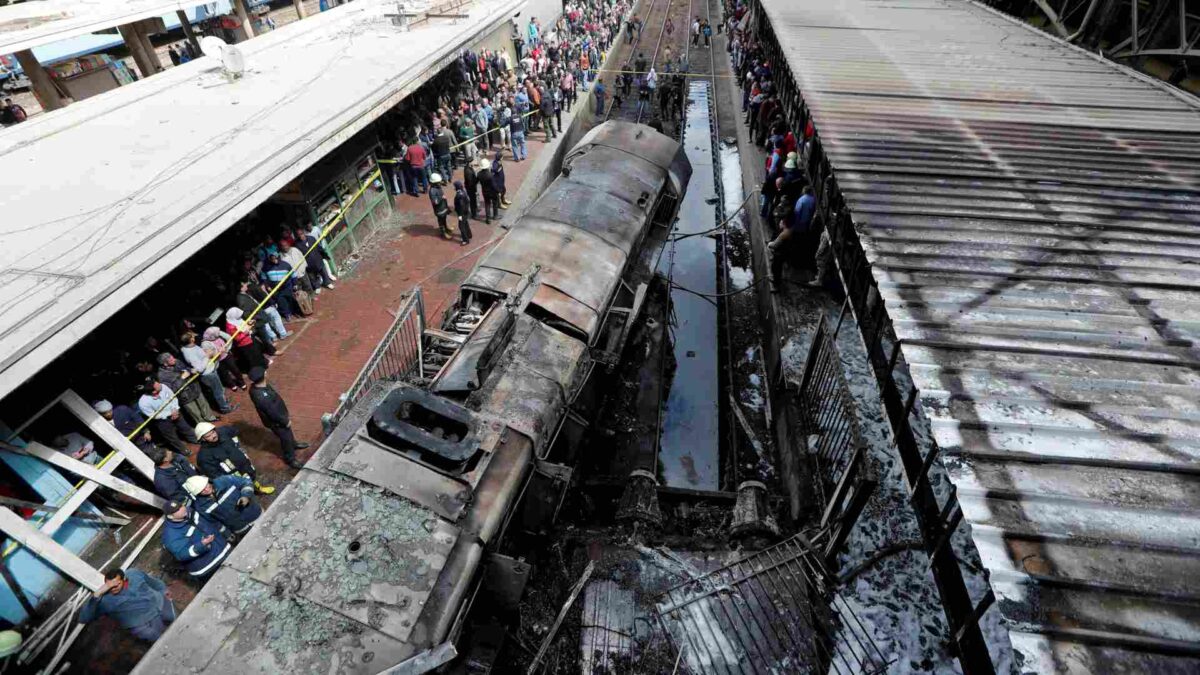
(534, 381)
(586, 202)
(581, 267)
(1029, 214)
(640, 141)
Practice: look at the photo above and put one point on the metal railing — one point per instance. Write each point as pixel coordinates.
(773, 611)
(828, 409)
(937, 520)
(397, 356)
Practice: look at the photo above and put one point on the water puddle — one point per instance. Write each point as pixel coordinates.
(689, 454)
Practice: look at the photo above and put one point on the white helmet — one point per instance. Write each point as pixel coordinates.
(204, 428)
(484, 165)
(435, 178)
(195, 485)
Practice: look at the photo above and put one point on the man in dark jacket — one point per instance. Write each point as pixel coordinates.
(229, 500)
(462, 208)
(318, 276)
(273, 412)
(221, 454)
(471, 181)
(195, 540)
(437, 198)
(170, 472)
(547, 110)
(491, 200)
(126, 420)
(443, 161)
(173, 374)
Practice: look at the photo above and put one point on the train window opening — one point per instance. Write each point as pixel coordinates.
(546, 317)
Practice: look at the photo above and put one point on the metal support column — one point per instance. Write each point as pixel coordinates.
(1134, 20)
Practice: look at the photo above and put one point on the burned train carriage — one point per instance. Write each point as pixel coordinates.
(379, 548)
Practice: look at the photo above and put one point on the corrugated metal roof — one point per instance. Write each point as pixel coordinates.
(1032, 215)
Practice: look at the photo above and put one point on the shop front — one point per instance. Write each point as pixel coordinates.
(334, 185)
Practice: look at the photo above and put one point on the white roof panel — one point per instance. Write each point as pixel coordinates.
(31, 24)
(103, 198)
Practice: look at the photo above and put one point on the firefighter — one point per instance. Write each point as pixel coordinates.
(229, 500)
(195, 540)
(221, 454)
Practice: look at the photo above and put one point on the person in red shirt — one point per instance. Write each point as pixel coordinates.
(416, 168)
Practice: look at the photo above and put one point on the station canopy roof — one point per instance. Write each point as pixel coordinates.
(32, 24)
(104, 198)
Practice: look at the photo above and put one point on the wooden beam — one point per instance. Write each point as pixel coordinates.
(108, 433)
(76, 499)
(85, 470)
(51, 551)
(49, 508)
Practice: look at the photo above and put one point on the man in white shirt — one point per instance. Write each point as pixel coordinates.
(158, 404)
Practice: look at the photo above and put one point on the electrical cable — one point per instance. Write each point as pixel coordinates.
(714, 296)
(720, 226)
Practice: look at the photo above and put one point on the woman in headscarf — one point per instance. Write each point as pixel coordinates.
(498, 181)
(216, 343)
(248, 353)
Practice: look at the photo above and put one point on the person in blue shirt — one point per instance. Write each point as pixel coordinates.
(795, 238)
(599, 91)
(138, 601)
(276, 270)
(200, 543)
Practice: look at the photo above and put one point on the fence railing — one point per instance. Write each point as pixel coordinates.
(397, 356)
(772, 611)
(828, 409)
(937, 521)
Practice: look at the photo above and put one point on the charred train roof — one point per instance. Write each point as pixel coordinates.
(582, 230)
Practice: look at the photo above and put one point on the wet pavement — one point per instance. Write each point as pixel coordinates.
(689, 454)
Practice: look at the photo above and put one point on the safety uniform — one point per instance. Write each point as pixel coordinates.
(184, 540)
(222, 506)
(225, 456)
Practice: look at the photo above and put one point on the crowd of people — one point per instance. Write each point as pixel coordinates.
(785, 198)
(498, 100)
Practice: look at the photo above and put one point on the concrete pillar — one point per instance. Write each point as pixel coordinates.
(133, 41)
(43, 87)
(148, 47)
(299, 4)
(187, 30)
(239, 6)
